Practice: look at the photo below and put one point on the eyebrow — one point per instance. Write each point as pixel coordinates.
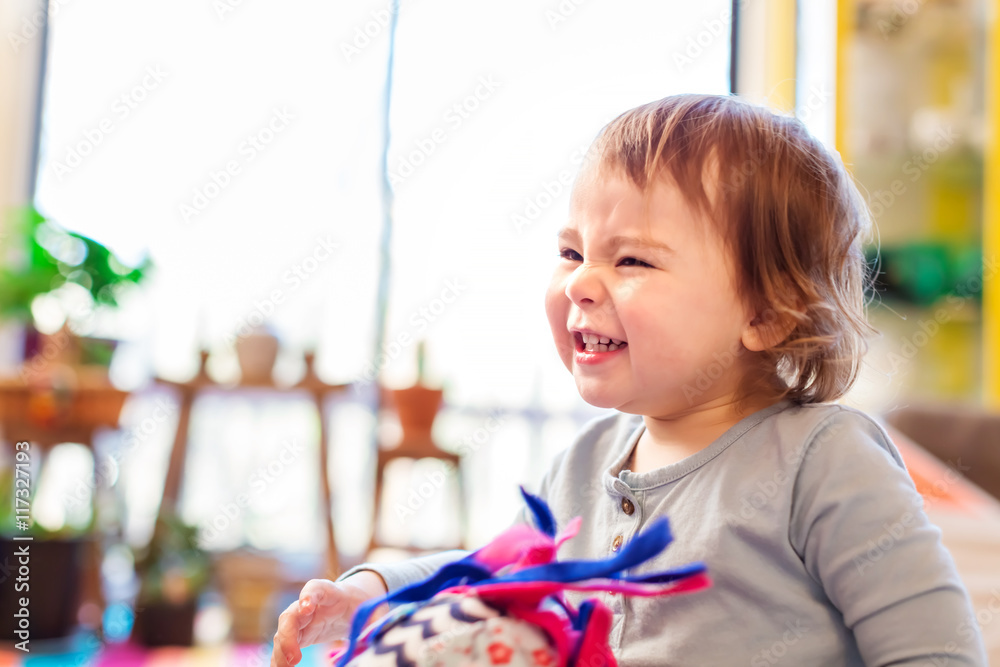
(618, 241)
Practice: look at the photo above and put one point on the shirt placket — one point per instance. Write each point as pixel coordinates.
(625, 523)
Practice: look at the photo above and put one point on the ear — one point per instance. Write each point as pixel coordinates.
(767, 329)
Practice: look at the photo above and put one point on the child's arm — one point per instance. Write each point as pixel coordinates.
(325, 608)
(400, 574)
(410, 571)
(403, 573)
(858, 524)
(322, 613)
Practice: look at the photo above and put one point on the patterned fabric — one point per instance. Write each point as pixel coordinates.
(455, 631)
(503, 605)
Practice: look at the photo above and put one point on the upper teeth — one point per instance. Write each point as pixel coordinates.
(595, 343)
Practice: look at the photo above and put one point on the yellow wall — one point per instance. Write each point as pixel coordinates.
(991, 214)
(767, 53)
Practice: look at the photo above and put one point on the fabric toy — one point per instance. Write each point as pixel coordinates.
(504, 603)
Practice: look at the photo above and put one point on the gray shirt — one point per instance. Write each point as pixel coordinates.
(814, 536)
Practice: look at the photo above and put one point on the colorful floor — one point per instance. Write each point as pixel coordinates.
(86, 651)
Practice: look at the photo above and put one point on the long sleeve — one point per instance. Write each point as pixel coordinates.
(410, 571)
(859, 525)
(403, 573)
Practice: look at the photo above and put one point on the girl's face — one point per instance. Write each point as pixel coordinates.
(661, 284)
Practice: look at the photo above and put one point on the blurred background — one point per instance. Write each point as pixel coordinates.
(263, 267)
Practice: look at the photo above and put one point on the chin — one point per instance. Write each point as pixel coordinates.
(596, 397)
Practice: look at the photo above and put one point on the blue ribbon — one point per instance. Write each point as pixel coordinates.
(469, 572)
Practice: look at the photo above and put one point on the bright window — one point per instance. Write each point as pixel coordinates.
(238, 143)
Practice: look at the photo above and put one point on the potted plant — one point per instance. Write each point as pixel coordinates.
(173, 572)
(60, 394)
(417, 406)
(248, 580)
(40, 257)
(56, 558)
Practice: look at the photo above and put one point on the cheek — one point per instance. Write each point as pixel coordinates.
(557, 311)
(556, 306)
(670, 325)
(552, 294)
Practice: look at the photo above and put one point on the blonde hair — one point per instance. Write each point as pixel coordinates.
(788, 211)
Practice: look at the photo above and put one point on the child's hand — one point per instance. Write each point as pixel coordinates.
(323, 613)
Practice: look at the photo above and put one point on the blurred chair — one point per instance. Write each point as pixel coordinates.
(966, 438)
(417, 408)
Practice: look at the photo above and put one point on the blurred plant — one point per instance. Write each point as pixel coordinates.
(921, 272)
(172, 568)
(40, 256)
(69, 530)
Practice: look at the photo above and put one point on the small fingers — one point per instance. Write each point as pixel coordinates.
(314, 594)
(278, 658)
(286, 640)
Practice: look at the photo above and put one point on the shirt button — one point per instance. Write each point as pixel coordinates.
(617, 544)
(627, 506)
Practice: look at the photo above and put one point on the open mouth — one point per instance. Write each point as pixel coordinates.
(595, 343)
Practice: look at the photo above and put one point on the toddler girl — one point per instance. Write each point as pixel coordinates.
(710, 289)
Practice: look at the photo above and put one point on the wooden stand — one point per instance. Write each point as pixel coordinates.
(416, 407)
(310, 383)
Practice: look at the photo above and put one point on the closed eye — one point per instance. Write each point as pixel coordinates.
(632, 261)
(574, 256)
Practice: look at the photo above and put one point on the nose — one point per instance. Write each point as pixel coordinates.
(584, 286)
